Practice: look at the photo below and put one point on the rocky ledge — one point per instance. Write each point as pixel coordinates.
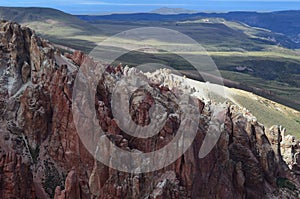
(42, 155)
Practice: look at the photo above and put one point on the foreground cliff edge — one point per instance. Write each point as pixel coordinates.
(43, 157)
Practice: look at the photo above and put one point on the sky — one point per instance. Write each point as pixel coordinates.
(124, 6)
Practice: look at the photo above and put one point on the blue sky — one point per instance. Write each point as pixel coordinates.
(107, 6)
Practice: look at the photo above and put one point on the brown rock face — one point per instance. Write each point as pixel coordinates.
(288, 150)
(37, 124)
(34, 114)
(15, 178)
(72, 188)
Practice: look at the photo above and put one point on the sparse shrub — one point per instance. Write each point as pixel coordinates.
(285, 183)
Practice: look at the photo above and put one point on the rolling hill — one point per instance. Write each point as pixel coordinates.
(47, 20)
(270, 64)
(284, 22)
(52, 24)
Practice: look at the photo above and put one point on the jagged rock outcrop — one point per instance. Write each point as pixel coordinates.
(72, 188)
(288, 150)
(37, 124)
(15, 178)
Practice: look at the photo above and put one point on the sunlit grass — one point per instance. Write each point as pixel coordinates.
(270, 113)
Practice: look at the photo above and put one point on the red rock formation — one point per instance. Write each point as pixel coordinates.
(37, 124)
(72, 188)
(15, 178)
(77, 57)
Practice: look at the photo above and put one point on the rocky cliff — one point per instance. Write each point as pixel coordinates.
(42, 155)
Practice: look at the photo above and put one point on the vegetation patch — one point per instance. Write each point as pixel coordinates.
(34, 153)
(285, 183)
(52, 179)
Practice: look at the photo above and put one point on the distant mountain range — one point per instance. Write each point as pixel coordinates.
(284, 22)
(168, 11)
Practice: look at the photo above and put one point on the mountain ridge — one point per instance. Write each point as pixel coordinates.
(242, 16)
(167, 10)
(42, 155)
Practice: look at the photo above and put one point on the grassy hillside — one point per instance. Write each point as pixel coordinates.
(269, 112)
(280, 22)
(266, 111)
(215, 34)
(52, 24)
(266, 74)
(253, 57)
(47, 21)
